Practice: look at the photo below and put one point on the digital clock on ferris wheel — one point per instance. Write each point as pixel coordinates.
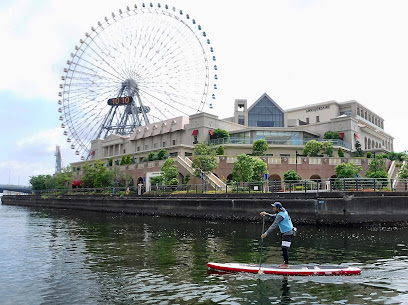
(118, 101)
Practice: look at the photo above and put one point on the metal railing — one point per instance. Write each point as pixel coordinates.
(234, 140)
(276, 186)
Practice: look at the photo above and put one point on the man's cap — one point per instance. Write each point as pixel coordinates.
(277, 205)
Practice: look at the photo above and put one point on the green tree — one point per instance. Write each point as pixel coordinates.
(38, 182)
(260, 169)
(220, 150)
(201, 149)
(125, 160)
(327, 148)
(259, 147)
(64, 179)
(312, 148)
(152, 156)
(376, 168)
(340, 152)
(96, 175)
(110, 161)
(205, 160)
(394, 156)
(186, 178)
(50, 183)
(169, 171)
(122, 178)
(291, 175)
(332, 135)
(248, 169)
(156, 180)
(174, 181)
(243, 168)
(369, 155)
(359, 152)
(347, 170)
(162, 154)
(403, 172)
(220, 134)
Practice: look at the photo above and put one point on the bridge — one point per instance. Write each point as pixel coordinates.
(15, 188)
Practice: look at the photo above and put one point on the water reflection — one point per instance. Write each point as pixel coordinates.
(68, 257)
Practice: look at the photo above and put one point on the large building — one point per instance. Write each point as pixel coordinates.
(286, 132)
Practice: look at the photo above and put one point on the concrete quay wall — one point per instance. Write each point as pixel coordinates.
(345, 209)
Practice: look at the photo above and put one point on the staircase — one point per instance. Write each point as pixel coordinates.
(397, 184)
(214, 181)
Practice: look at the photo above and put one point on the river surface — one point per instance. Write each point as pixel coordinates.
(72, 257)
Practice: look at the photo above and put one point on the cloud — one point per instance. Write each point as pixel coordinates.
(34, 155)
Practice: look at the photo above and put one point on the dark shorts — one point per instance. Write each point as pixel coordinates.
(286, 241)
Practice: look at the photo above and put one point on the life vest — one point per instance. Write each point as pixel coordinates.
(286, 224)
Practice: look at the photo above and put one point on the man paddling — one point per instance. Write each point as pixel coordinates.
(283, 221)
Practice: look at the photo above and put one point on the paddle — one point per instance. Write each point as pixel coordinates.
(260, 257)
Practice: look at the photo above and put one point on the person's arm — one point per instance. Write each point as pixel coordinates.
(273, 226)
(267, 214)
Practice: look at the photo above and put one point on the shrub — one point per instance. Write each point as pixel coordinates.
(186, 179)
(369, 154)
(312, 148)
(162, 154)
(152, 156)
(327, 148)
(220, 150)
(340, 152)
(174, 181)
(259, 147)
(220, 134)
(332, 135)
(291, 175)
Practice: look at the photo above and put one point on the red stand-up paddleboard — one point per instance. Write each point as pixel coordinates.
(293, 270)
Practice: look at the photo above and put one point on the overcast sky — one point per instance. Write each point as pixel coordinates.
(299, 52)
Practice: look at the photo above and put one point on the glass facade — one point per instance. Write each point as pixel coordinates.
(265, 114)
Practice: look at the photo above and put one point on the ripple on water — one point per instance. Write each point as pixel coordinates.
(66, 257)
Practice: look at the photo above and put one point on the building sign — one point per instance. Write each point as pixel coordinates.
(318, 108)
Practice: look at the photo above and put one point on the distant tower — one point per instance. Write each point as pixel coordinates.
(58, 160)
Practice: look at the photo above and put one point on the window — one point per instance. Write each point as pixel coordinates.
(174, 154)
(187, 154)
(173, 142)
(194, 141)
(284, 155)
(164, 144)
(155, 145)
(138, 148)
(146, 146)
(346, 112)
(265, 114)
(124, 151)
(307, 120)
(241, 120)
(317, 119)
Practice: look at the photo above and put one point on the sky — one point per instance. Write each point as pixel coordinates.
(300, 52)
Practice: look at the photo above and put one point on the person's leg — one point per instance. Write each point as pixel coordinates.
(285, 253)
(286, 242)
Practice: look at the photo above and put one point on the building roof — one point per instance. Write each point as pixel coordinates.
(269, 98)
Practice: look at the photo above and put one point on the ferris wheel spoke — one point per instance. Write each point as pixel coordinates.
(160, 100)
(184, 98)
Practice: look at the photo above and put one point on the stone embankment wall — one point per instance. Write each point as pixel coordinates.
(347, 209)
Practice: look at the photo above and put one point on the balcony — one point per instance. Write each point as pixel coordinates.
(278, 142)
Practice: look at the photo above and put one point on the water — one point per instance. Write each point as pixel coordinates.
(69, 257)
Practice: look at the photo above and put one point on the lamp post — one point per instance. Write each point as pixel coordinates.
(375, 165)
(297, 154)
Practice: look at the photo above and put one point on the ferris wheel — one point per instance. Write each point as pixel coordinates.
(142, 65)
